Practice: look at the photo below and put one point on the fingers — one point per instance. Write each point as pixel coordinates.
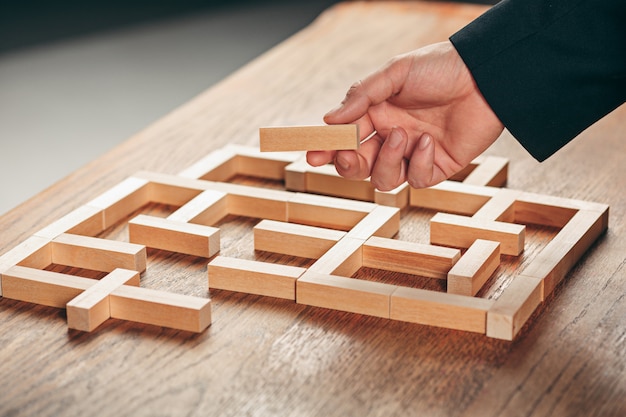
(390, 167)
(357, 165)
(319, 158)
(422, 171)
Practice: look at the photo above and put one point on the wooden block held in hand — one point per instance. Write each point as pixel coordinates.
(309, 138)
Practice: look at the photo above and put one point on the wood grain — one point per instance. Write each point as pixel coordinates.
(264, 356)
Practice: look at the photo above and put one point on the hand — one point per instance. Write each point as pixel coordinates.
(426, 118)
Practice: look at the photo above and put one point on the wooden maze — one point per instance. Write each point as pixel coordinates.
(339, 226)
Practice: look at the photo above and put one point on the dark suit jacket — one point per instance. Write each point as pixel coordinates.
(548, 68)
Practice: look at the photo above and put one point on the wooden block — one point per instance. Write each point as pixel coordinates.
(85, 220)
(90, 309)
(452, 197)
(409, 258)
(253, 277)
(345, 294)
(501, 207)
(330, 212)
(383, 221)
(255, 202)
(42, 287)
(398, 197)
(173, 190)
(160, 308)
(165, 234)
(439, 309)
(268, 165)
(325, 180)
(97, 254)
(568, 246)
(344, 258)
(296, 176)
(34, 252)
(294, 239)
(207, 208)
(489, 171)
(461, 232)
(474, 268)
(121, 200)
(309, 138)
(219, 165)
(549, 211)
(513, 308)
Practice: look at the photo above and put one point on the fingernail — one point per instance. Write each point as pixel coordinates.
(424, 142)
(394, 139)
(335, 110)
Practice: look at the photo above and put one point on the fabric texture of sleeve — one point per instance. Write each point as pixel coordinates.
(548, 68)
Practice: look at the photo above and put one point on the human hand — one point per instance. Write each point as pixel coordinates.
(426, 117)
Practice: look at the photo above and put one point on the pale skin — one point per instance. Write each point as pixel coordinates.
(426, 118)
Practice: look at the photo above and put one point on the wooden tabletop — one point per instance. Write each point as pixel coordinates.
(264, 356)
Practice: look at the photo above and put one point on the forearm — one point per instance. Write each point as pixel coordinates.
(548, 69)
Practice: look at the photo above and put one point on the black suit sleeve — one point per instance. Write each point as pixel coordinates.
(548, 68)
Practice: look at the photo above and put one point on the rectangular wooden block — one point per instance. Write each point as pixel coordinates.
(345, 294)
(121, 200)
(461, 232)
(325, 180)
(42, 287)
(309, 138)
(34, 252)
(268, 165)
(294, 239)
(207, 208)
(255, 202)
(439, 309)
(344, 258)
(330, 212)
(513, 308)
(409, 258)
(97, 254)
(296, 175)
(160, 308)
(398, 197)
(383, 221)
(219, 165)
(489, 171)
(253, 277)
(452, 197)
(165, 234)
(474, 268)
(85, 220)
(501, 207)
(90, 309)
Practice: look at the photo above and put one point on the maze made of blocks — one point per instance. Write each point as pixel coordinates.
(340, 225)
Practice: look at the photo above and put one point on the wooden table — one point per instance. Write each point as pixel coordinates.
(263, 356)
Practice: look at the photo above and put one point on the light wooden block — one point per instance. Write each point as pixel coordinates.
(253, 277)
(294, 239)
(383, 221)
(97, 254)
(344, 258)
(90, 309)
(566, 248)
(207, 208)
(545, 210)
(409, 258)
(398, 197)
(325, 180)
(474, 268)
(513, 308)
(344, 294)
(501, 207)
(85, 220)
(461, 232)
(160, 308)
(121, 200)
(309, 138)
(439, 309)
(452, 197)
(42, 287)
(330, 212)
(255, 202)
(268, 165)
(489, 171)
(296, 175)
(34, 252)
(219, 165)
(165, 234)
